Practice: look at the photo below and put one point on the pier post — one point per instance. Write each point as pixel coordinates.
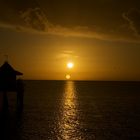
(5, 101)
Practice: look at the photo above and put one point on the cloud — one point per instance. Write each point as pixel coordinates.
(34, 20)
(67, 55)
(133, 19)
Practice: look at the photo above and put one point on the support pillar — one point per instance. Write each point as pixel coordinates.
(5, 101)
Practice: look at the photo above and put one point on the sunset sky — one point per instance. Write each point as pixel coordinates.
(101, 38)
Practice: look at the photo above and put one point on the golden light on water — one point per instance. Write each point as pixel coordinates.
(69, 122)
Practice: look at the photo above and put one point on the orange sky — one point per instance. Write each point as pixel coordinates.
(102, 40)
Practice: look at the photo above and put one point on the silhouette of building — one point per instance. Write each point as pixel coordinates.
(8, 77)
(10, 82)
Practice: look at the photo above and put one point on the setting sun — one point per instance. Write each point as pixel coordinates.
(70, 65)
(68, 76)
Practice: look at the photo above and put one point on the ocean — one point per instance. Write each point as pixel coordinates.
(74, 110)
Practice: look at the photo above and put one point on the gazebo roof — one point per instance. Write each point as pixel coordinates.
(6, 68)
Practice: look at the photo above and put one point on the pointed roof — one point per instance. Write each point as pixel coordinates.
(6, 68)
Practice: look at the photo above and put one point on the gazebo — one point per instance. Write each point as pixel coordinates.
(9, 83)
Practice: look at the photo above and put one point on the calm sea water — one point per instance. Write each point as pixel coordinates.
(68, 110)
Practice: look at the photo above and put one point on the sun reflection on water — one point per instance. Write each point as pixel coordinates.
(68, 124)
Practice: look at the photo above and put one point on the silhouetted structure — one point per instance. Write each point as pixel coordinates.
(9, 82)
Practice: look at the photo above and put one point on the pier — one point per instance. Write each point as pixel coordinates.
(10, 82)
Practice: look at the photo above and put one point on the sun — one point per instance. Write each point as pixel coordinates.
(68, 76)
(70, 65)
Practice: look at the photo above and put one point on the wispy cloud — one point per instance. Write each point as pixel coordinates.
(67, 55)
(34, 20)
(133, 19)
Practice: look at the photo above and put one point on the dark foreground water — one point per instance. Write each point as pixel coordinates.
(67, 110)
